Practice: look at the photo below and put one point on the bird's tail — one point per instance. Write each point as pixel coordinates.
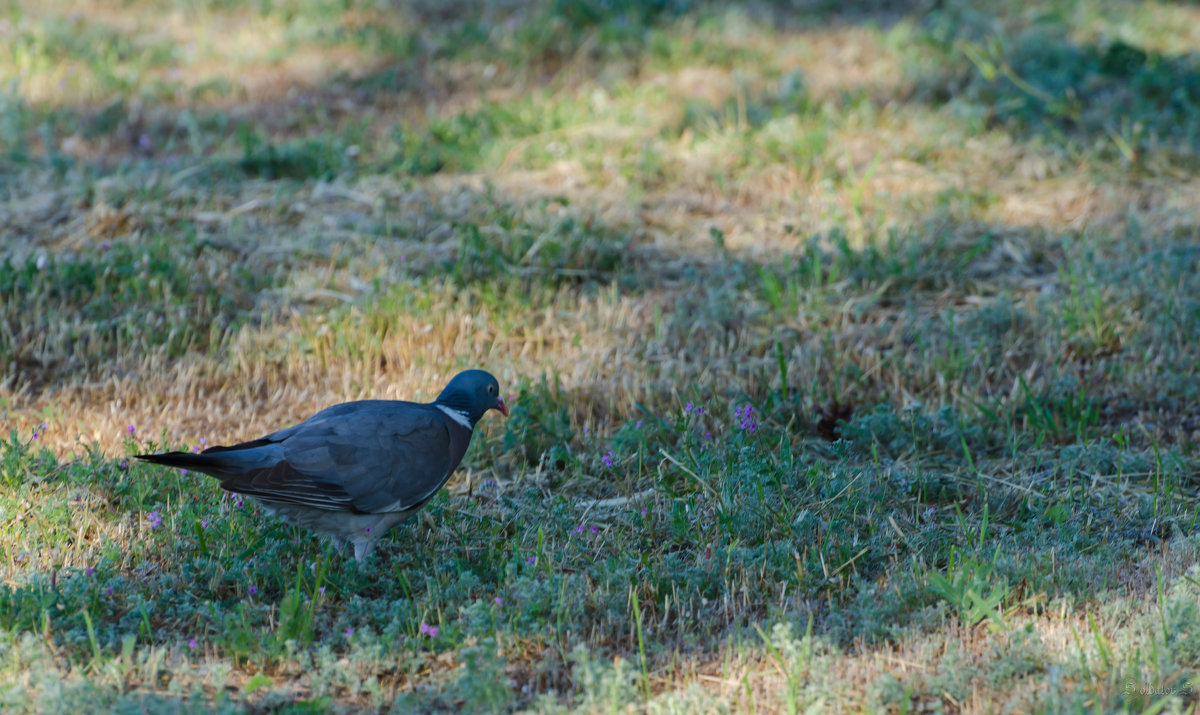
(187, 460)
(222, 462)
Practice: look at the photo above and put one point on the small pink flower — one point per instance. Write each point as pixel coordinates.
(155, 519)
(428, 630)
(253, 589)
(349, 631)
(499, 601)
(204, 523)
(192, 643)
(321, 590)
(131, 430)
(89, 571)
(595, 531)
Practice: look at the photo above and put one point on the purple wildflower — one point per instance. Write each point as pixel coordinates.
(532, 559)
(108, 591)
(155, 519)
(192, 643)
(196, 449)
(637, 425)
(428, 630)
(688, 407)
(499, 601)
(585, 429)
(746, 416)
(578, 529)
(131, 430)
(645, 511)
(349, 631)
(607, 459)
(204, 523)
(124, 464)
(595, 530)
(253, 589)
(89, 571)
(321, 590)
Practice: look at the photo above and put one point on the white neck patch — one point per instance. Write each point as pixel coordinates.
(459, 417)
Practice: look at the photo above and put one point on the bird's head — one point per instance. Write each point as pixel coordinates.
(473, 392)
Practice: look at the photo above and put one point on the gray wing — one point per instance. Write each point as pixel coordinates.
(370, 457)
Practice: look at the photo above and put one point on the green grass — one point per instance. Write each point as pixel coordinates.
(947, 258)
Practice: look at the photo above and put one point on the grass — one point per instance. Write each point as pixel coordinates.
(852, 352)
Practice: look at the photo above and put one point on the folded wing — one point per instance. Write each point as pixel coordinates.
(368, 457)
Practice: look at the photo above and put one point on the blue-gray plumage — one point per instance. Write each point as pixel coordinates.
(354, 470)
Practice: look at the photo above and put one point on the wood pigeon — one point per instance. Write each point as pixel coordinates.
(354, 470)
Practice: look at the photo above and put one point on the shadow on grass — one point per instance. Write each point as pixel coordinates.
(1113, 101)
